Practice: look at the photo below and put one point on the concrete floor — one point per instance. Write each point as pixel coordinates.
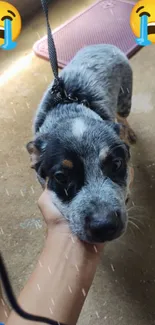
(124, 287)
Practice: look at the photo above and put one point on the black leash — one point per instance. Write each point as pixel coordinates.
(14, 304)
(51, 46)
(58, 89)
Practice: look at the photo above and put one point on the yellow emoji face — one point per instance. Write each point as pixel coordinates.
(7, 11)
(143, 7)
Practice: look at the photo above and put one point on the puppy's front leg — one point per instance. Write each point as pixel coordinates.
(130, 133)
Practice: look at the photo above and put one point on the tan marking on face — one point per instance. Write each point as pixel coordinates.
(67, 163)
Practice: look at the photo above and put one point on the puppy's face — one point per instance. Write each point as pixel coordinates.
(85, 165)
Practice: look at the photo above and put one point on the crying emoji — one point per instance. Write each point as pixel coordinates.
(10, 25)
(142, 22)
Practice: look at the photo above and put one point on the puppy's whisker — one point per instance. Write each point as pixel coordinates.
(66, 192)
(138, 207)
(130, 228)
(137, 211)
(135, 219)
(139, 215)
(129, 209)
(136, 226)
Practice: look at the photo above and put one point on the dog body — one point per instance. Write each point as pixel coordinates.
(101, 74)
(78, 149)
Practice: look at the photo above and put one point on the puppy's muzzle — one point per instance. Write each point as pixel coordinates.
(104, 226)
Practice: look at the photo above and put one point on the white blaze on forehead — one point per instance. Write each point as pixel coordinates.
(78, 128)
(104, 153)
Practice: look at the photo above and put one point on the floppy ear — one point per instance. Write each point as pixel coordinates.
(36, 149)
(34, 153)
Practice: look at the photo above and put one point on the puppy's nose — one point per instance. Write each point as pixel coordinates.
(106, 229)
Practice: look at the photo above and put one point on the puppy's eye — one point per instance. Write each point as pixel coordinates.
(60, 178)
(116, 165)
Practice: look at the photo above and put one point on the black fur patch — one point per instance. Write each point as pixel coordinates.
(52, 163)
(117, 154)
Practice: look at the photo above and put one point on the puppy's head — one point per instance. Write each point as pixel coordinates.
(85, 165)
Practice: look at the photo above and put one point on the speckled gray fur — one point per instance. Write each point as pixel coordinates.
(102, 75)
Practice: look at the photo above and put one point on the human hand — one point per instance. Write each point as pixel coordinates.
(51, 214)
(55, 220)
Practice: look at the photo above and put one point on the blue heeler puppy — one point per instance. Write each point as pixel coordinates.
(79, 150)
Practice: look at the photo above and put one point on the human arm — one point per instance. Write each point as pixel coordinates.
(64, 273)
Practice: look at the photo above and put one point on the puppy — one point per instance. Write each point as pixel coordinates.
(79, 151)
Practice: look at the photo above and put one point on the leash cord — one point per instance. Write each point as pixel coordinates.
(51, 46)
(11, 297)
(58, 87)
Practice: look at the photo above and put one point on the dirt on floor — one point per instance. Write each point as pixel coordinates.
(123, 291)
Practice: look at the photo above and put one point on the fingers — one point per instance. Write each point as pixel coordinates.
(51, 214)
(47, 207)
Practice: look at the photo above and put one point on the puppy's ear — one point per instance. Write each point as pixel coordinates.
(36, 149)
(34, 153)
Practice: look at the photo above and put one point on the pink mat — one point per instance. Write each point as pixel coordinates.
(106, 21)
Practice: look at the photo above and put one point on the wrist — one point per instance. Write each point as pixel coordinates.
(61, 237)
(76, 264)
